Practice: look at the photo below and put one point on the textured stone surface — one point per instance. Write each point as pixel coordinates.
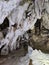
(16, 13)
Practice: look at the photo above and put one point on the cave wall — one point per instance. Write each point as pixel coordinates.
(16, 13)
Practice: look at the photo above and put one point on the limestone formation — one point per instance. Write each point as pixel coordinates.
(25, 16)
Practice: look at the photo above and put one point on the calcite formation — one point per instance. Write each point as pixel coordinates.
(16, 14)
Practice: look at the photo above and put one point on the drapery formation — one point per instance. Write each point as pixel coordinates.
(16, 13)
